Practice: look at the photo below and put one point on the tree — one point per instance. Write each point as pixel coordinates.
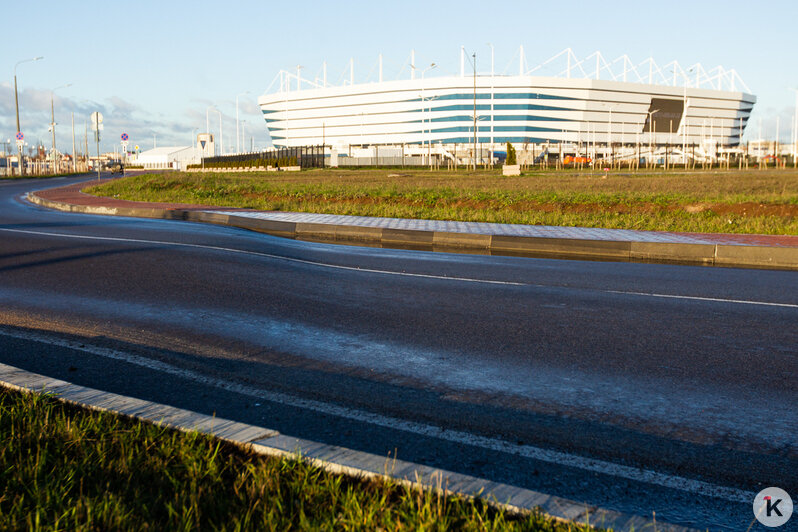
(511, 158)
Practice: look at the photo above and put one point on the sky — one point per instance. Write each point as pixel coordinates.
(153, 69)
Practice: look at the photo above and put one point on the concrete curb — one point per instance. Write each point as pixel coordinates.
(741, 256)
(334, 459)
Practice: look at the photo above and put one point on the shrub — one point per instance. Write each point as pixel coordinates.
(511, 157)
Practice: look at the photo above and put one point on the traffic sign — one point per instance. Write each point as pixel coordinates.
(124, 136)
(20, 136)
(96, 121)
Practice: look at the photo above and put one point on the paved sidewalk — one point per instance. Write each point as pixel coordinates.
(533, 231)
(735, 250)
(72, 194)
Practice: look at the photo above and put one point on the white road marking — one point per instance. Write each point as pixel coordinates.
(265, 255)
(698, 298)
(388, 272)
(454, 436)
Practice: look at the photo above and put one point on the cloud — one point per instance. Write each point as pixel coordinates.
(120, 115)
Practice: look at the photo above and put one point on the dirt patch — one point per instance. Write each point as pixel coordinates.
(753, 209)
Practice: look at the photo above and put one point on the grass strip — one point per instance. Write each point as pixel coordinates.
(39, 176)
(758, 202)
(63, 467)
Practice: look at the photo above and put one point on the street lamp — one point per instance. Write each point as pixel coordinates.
(238, 146)
(52, 124)
(651, 133)
(795, 132)
(492, 80)
(609, 134)
(207, 128)
(194, 144)
(429, 148)
(473, 61)
(16, 103)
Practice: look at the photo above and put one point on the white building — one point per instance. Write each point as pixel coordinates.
(618, 103)
(174, 157)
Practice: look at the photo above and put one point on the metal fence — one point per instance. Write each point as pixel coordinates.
(304, 156)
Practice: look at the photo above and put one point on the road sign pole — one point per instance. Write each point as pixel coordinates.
(124, 152)
(97, 139)
(20, 143)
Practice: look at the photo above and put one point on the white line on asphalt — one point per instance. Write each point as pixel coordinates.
(454, 436)
(386, 272)
(265, 255)
(699, 298)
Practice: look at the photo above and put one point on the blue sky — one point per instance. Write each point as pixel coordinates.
(155, 67)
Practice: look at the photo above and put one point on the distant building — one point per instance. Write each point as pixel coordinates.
(170, 157)
(616, 104)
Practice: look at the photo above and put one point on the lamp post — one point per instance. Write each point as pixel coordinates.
(429, 149)
(474, 63)
(52, 123)
(611, 153)
(194, 144)
(16, 104)
(651, 134)
(207, 128)
(238, 146)
(492, 79)
(795, 129)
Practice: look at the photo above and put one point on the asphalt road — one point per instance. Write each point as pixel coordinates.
(636, 387)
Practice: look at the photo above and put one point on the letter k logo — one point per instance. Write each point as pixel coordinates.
(772, 507)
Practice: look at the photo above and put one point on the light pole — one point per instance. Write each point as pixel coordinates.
(52, 123)
(429, 149)
(492, 79)
(474, 63)
(651, 135)
(795, 129)
(611, 153)
(238, 146)
(16, 104)
(194, 144)
(207, 128)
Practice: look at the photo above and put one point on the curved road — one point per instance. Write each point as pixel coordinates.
(634, 387)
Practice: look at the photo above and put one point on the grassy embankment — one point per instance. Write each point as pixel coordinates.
(40, 176)
(63, 467)
(753, 201)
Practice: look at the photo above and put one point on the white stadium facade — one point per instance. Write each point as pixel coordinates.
(615, 105)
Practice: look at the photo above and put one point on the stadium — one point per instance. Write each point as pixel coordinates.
(612, 109)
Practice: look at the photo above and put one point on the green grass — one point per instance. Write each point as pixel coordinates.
(63, 467)
(42, 176)
(753, 201)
